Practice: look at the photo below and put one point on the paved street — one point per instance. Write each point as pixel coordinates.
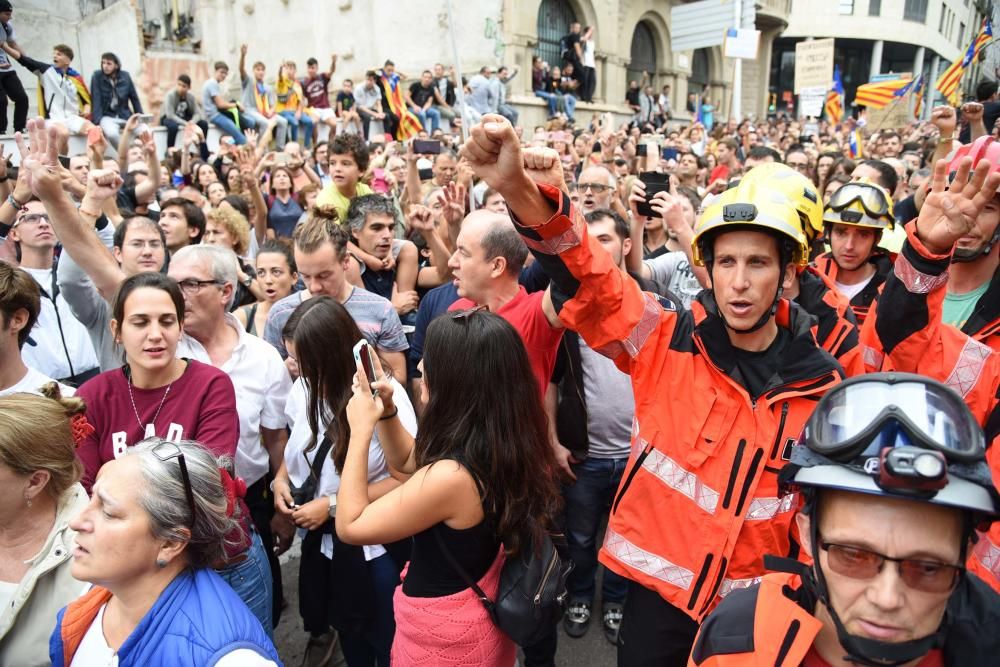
(593, 650)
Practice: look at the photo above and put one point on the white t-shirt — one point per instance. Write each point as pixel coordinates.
(588, 53)
(94, 650)
(673, 270)
(30, 383)
(851, 291)
(298, 460)
(7, 590)
(261, 382)
(53, 329)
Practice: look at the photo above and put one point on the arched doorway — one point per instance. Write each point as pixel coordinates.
(554, 17)
(643, 55)
(698, 80)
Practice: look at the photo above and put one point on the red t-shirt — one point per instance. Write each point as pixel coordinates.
(932, 659)
(201, 406)
(524, 312)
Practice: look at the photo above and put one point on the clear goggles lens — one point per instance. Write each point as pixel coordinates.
(934, 418)
(872, 199)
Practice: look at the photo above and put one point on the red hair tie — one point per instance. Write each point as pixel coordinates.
(80, 428)
(234, 488)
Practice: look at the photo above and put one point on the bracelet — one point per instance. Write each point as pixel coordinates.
(13, 202)
(89, 214)
(394, 413)
(951, 138)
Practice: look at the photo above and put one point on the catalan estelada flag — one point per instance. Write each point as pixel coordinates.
(82, 92)
(835, 98)
(409, 124)
(877, 95)
(919, 92)
(855, 142)
(948, 82)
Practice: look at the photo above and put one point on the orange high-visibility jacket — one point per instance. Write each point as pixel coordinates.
(863, 300)
(914, 340)
(698, 506)
(837, 331)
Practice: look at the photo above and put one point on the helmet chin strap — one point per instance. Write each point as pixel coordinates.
(763, 318)
(861, 650)
(963, 256)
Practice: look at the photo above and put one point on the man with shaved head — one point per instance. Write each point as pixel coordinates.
(597, 187)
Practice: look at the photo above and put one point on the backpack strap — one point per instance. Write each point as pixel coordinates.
(461, 570)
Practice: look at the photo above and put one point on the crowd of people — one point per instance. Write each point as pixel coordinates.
(422, 357)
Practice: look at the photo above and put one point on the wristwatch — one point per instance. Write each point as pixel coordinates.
(333, 506)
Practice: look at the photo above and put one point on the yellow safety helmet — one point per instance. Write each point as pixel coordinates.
(750, 206)
(797, 188)
(861, 203)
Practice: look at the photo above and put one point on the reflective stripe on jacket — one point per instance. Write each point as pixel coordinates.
(698, 506)
(914, 340)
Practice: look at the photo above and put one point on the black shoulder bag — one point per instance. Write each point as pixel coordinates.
(303, 494)
(531, 598)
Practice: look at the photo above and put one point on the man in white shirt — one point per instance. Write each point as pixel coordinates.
(19, 307)
(59, 344)
(207, 276)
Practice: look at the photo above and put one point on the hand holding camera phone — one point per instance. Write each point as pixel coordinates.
(654, 182)
(364, 355)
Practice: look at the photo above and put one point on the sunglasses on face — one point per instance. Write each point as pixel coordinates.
(922, 575)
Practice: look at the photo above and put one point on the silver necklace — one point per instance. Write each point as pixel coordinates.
(138, 419)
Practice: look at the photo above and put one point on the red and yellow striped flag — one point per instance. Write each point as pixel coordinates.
(409, 124)
(948, 82)
(878, 95)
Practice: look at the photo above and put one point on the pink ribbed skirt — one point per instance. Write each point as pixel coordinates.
(454, 630)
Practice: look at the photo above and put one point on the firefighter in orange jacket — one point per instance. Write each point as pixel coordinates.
(854, 220)
(721, 391)
(836, 329)
(892, 470)
(913, 337)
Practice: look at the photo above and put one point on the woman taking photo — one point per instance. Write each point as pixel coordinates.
(347, 587)
(483, 476)
(159, 518)
(283, 210)
(155, 394)
(40, 475)
(276, 276)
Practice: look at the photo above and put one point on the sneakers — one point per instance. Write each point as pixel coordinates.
(320, 649)
(577, 619)
(612, 621)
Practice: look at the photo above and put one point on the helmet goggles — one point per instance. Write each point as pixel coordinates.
(863, 416)
(872, 199)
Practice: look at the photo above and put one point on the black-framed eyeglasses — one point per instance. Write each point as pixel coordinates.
(922, 575)
(169, 450)
(596, 188)
(465, 314)
(193, 286)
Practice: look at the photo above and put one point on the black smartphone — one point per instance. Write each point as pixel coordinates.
(64, 161)
(654, 182)
(426, 146)
(363, 355)
(426, 174)
(640, 150)
(596, 148)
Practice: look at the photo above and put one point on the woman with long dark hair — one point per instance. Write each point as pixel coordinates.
(345, 587)
(483, 477)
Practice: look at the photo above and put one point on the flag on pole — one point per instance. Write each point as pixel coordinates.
(919, 92)
(878, 95)
(835, 98)
(409, 125)
(948, 82)
(855, 143)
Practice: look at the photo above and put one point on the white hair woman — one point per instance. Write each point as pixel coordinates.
(156, 523)
(40, 492)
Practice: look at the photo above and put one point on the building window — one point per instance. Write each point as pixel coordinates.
(845, 7)
(874, 7)
(554, 17)
(643, 56)
(698, 81)
(961, 34)
(915, 10)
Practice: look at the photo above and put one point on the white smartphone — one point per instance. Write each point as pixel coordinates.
(364, 355)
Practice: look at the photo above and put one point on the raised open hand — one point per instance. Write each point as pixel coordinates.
(950, 211)
(39, 158)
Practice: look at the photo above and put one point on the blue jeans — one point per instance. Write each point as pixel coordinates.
(372, 648)
(224, 121)
(305, 122)
(431, 115)
(552, 99)
(251, 580)
(569, 104)
(587, 500)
